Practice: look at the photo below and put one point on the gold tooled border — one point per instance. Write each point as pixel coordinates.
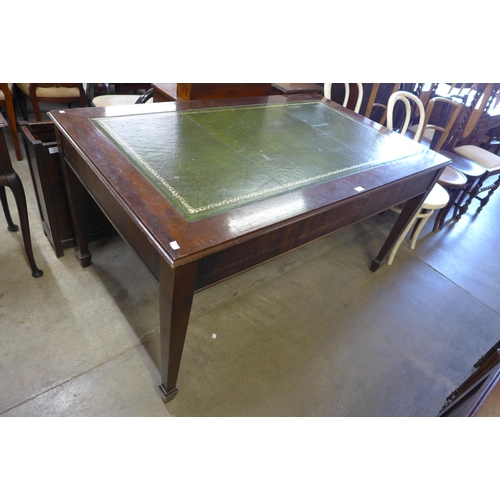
(103, 122)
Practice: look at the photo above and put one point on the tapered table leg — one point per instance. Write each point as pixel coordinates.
(176, 297)
(76, 199)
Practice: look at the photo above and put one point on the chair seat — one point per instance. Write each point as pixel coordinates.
(487, 159)
(116, 100)
(469, 168)
(49, 92)
(436, 199)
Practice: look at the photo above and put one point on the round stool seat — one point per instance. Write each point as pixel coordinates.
(452, 178)
(437, 198)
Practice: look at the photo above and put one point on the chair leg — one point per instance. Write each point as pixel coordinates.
(424, 217)
(14, 182)
(402, 236)
(441, 216)
(486, 199)
(470, 193)
(465, 198)
(21, 101)
(36, 109)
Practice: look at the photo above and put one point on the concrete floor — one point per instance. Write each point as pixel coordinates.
(313, 333)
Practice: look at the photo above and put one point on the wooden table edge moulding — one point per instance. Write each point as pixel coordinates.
(185, 256)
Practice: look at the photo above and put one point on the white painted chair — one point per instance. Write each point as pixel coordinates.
(438, 197)
(118, 99)
(328, 94)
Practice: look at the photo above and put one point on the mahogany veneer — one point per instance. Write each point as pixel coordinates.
(183, 256)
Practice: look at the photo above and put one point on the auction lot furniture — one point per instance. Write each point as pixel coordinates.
(479, 395)
(7, 100)
(296, 88)
(9, 178)
(66, 93)
(202, 191)
(199, 91)
(43, 160)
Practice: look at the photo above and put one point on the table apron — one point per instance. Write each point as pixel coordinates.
(253, 249)
(265, 246)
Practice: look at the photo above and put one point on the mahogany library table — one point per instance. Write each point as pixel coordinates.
(203, 190)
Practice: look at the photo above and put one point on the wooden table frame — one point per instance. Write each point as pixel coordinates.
(221, 246)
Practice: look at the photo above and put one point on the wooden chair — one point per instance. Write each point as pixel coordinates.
(441, 115)
(375, 101)
(424, 91)
(7, 100)
(70, 93)
(449, 114)
(477, 98)
(438, 197)
(491, 163)
(468, 144)
(347, 90)
(8, 177)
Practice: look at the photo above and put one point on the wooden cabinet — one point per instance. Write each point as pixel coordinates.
(43, 159)
(198, 91)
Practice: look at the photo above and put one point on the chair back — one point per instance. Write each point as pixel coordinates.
(477, 99)
(440, 116)
(424, 91)
(328, 94)
(7, 101)
(376, 101)
(406, 97)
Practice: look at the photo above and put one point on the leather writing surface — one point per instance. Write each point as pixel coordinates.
(210, 160)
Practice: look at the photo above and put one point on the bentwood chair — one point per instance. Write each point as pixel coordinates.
(438, 197)
(347, 91)
(7, 100)
(111, 99)
(66, 93)
(9, 177)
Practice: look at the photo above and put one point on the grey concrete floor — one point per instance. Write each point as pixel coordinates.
(313, 333)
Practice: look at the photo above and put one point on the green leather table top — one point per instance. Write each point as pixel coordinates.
(211, 160)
